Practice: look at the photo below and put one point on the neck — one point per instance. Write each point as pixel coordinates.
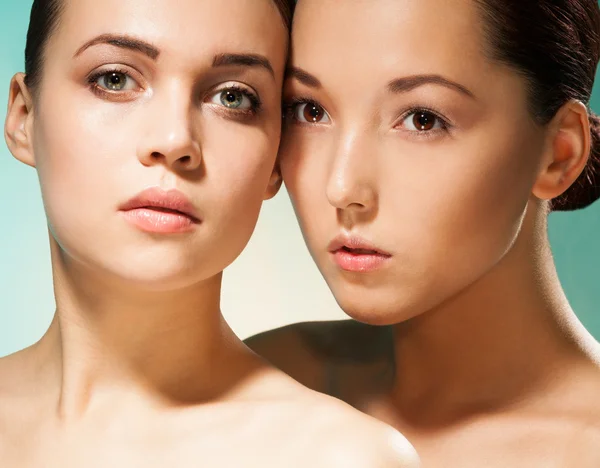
(495, 344)
(156, 347)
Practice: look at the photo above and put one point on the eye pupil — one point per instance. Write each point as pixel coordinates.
(115, 81)
(232, 99)
(313, 113)
(424, 121)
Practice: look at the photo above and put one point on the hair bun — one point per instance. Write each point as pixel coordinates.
(586, 189)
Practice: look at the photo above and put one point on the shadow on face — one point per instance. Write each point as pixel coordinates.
(176, 97)
(404, 140)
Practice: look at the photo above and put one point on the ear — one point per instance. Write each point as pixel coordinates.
(274, 182)
(18, 128)
(568, 151)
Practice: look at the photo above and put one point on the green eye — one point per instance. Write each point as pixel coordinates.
(235, 98)
(232, 99)
(114, 81)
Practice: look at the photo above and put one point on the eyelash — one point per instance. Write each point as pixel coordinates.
(254, 99)
(288, 106)
(445, 124)
(93, 78)
(296, 101)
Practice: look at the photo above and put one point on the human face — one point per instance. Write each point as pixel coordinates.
(409, 155)
(182, 98)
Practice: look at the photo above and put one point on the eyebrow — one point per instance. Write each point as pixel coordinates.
(124, 42)
(244, 60)
(303, 77)
(408, 83)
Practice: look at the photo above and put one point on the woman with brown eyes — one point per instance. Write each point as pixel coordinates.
(154, 158)
(425, 143)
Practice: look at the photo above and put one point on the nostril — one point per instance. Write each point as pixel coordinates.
(157, 157)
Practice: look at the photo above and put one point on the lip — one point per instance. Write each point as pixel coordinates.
(160, 211)
(355, 254)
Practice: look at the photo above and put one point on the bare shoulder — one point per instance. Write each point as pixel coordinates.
(307, 351)
(22, 384)
(584, 446)
(14, 397)
(371, 445)
(11, 375)
(585, 451)
(350, 439)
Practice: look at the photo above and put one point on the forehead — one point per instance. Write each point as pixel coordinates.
(188, 28)
(383, 38)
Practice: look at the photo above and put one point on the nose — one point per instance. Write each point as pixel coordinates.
(352, 185)
(171, 137)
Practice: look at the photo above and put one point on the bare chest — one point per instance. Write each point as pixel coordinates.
(207, 445)
(500, 445)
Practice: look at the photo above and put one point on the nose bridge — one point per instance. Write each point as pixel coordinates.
(170, 135)
(174, 115)
(350, 181)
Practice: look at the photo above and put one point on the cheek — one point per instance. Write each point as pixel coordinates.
(238, 168)
(305, 170)
(79, 155)
(464, 202)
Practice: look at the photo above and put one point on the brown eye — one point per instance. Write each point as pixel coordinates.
(313, 113)
(424, 121)
(310, 112)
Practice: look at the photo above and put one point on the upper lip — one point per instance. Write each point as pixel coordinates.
(354, 243)
(157, 198)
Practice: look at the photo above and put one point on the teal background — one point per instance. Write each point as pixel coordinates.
(26, 299)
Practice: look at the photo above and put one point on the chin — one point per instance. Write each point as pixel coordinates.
(377, 308)
(146, 266)
(157, 273)
(159, 281)
(157, 278)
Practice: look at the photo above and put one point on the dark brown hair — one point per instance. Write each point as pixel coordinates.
(286, 8)
(555, 45)
(44, 18)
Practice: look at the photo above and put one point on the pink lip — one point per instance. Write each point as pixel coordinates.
(354, 254)
(158, 211)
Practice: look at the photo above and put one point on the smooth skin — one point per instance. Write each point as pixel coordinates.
(485, 363)
(139, 367)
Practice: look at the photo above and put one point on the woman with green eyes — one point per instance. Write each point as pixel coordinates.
(153, 159)
(425, 143)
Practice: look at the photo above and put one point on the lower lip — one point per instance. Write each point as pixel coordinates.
(159, 222)
(359, 263)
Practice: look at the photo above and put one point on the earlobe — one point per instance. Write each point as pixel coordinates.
(274, 183)
(19, 119)
(569, 150)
